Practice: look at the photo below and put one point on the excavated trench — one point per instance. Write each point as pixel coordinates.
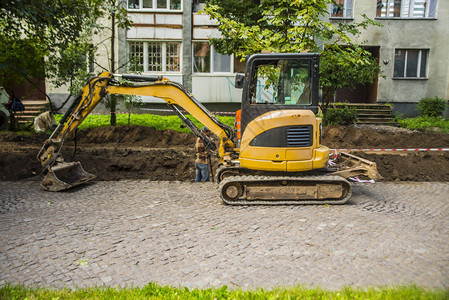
(135, 152)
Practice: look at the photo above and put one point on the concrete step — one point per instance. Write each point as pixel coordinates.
(384, 117)
(365, 106)
(372, 114)
(33, 107)
(379, 123)
(374, 111)
(387, 116)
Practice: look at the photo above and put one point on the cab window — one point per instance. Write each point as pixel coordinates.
(282, 82)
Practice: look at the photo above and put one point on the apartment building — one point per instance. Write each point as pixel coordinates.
(412, 47)
(170, 38)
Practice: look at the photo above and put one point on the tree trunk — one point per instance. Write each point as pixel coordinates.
(113, 98)
(113, 108)
(328, 94)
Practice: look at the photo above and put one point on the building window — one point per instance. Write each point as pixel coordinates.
(222, 63)
(155, 56)
(136, 56)
(342, 9)
(155, 4)
(173, 57)
(406, 8)
(207, 60)
(201, 57)
(410, 63)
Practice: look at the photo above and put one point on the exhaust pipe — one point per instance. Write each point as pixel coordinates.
(64, 176)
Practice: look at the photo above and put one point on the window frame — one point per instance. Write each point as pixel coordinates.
(418, 65)
(346, 15)
(257, 87)
(155, 8)
(211, 62)
(163, 55)
(431, 7)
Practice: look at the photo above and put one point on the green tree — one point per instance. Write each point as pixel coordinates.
(34, 34)
(110, 15)
(53, 38)
(246, 12)
(115, 11)
(288, 26)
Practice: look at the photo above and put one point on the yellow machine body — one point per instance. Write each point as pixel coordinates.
(287, 159)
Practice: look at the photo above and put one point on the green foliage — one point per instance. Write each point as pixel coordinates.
(149, 120)
(294, 27)
(20, 60)
(33, 30)
(432, 107)
(340, 116)
(53, 39)
(346, 67)
(246, 12)
(155, 291)
(425, 123)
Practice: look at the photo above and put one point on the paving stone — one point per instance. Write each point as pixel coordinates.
(180, 234)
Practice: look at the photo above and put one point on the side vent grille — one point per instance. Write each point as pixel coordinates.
(300, 136)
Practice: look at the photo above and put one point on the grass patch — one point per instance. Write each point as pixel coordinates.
(437, 124)
(155, 291)
(149, 120)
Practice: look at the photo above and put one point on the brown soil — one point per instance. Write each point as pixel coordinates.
(134, 152)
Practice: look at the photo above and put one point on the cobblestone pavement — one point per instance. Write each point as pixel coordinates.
(177, 233)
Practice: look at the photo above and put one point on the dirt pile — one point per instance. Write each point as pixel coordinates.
(135, 136)
(135, 152)
(110, 136)
(346, 137)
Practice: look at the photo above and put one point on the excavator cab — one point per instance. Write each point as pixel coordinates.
(279, 82)
(279, 101)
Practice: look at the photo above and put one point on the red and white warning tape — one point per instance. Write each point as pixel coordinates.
(357, 179)
(393, 150)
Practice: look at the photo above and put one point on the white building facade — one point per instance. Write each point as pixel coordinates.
(170, 38)
(412, 47)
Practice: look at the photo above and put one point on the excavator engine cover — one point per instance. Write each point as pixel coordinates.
(65, 175)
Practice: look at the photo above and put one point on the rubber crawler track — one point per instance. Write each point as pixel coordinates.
(248, 180)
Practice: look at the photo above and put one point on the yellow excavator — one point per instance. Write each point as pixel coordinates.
(279, 158)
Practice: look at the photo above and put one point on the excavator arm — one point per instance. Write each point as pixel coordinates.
(177, 96)
(60, 175)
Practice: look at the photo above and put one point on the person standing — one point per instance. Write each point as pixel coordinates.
(202, 158)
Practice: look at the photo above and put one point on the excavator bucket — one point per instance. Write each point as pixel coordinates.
(64, 176)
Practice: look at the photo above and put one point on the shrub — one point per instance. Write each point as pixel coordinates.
(425, 123)
(340, 116)
(432, 107)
